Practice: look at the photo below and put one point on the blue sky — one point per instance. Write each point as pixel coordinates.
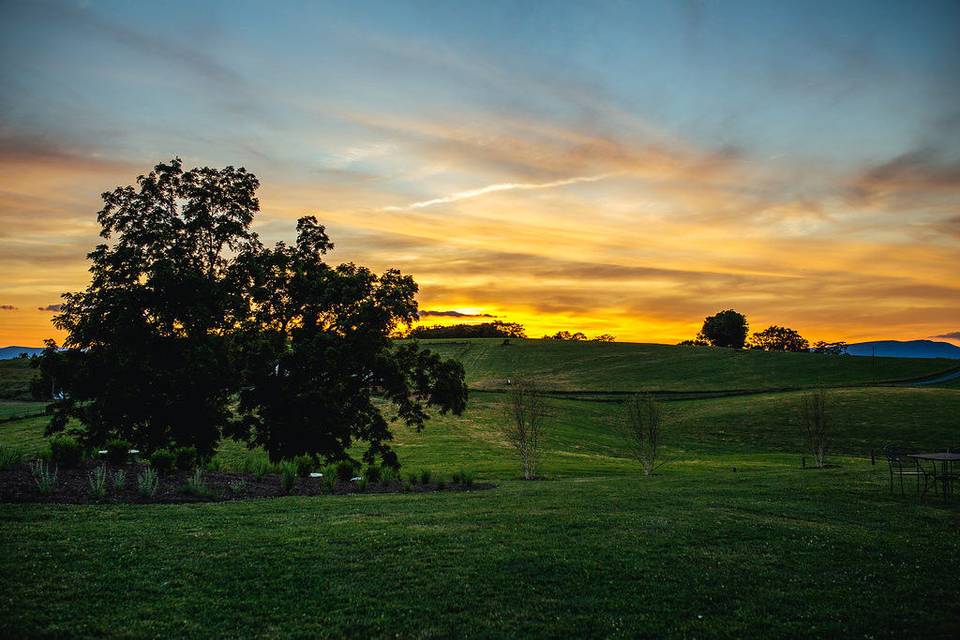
(726, 126)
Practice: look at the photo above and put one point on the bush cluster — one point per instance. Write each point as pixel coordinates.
(118, 451)
(344, 470)
(288, 475)
(66, 451)
(162, 460)
(186, 458)
(304, 465)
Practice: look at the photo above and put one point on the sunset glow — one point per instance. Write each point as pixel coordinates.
(617, 168)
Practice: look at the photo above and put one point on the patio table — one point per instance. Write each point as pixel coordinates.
(944, 459)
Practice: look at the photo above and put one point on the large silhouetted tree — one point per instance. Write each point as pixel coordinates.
(323, 351)
(150, 336)
(186, 308)
(725, 329)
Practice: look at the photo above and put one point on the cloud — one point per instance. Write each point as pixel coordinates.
(454, 314)
(7, 307)
(920, 170)
(493, 188)
(51, 307)
(951, 335)
(70, 18)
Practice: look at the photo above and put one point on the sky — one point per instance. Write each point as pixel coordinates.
(608, 167)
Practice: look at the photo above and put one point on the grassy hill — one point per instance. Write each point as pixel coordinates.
(15, 376)
(732, 538)
(623, 366)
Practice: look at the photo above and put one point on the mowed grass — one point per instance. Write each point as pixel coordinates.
(697, 551)
(730, 539)
(619, 367)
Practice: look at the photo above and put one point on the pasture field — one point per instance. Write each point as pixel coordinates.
(15, 376)
(731, 538)
(624, 366)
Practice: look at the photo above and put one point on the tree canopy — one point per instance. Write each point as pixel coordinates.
(187, 310)
(725, 329)
(775, 338)
(495, 329)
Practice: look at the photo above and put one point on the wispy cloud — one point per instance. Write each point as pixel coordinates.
(951, 335)
(7, 307)
(493, 188)
(50, 307)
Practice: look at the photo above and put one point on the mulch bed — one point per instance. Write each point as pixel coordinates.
(17, 485)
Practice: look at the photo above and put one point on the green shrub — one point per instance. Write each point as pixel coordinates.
(119, 478)
(412, 478)
(463, 477)
(9, 458)
(162, 460)
(425, 476)
(214, 464)
(65, 451)
(362, 484)
(98, 482)
(330, 478)
(147, 482)
(344, 471)
(373, 473)
(388, 475)
(261, 467)
(304, 465)
(44, 476)
(288, 476)
(441, 483)
(118, 450)
(196, 485)
(186, 458)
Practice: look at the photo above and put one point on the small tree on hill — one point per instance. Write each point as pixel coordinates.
(523, 429)
(566, 335)
(725, 329)
(816, 424)
(775, 338)
(641, 429)
(830, 348)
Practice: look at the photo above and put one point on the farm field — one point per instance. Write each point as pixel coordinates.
(624, 366)
(731, 538)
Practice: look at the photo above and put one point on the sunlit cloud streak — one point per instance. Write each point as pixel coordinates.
(493, 188)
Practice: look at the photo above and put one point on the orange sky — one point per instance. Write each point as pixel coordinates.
(801, 167)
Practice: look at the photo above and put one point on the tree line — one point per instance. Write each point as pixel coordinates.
(192, 330)
(495, 329)
(730, 329)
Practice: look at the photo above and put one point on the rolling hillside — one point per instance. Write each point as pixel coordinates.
(621, 366)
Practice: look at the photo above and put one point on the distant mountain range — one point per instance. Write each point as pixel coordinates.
(9, 353)
(905, 349)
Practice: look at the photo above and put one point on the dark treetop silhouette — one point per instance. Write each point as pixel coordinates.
(186, 310)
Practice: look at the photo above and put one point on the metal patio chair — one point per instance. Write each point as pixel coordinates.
(901, 466)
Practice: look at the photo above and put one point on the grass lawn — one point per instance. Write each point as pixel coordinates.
(731, 539)
(696, 551)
